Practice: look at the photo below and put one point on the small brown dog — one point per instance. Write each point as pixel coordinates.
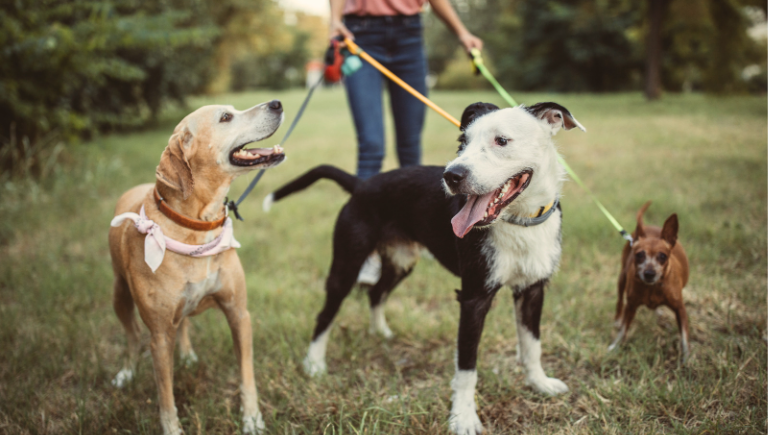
(654, 271)
(184, 212)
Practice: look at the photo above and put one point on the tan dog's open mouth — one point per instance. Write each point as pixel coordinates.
(482, 210)
(241, 156)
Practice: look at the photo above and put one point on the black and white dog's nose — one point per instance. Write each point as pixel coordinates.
(454, 176)
(275, 106)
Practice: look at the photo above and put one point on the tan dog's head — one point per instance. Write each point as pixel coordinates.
(208, 146)
(650, 253)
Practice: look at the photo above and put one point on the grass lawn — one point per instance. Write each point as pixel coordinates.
(703, 158)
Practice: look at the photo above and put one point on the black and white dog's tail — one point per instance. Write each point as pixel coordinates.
(345, 180)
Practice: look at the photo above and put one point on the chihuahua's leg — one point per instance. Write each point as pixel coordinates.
(162, 360)
(122, 302)
(528, 305)
(239, 320)
(620, 301)
(626, 321)
(682, 324)
(188, 355)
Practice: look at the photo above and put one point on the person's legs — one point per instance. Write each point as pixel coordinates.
(364, 96)
(409, 63)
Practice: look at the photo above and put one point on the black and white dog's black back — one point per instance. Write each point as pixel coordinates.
(491, 217)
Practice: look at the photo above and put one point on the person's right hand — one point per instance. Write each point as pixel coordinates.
(338, 28)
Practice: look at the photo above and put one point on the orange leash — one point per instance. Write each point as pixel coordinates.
(356, 50)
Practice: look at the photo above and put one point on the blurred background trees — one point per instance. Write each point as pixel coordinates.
(72, 68)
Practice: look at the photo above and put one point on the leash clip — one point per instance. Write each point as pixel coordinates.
(231, 205)
(627, 237)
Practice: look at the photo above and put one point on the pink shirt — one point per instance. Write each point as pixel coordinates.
(383, 7)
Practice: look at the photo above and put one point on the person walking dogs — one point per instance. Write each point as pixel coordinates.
(391, 32)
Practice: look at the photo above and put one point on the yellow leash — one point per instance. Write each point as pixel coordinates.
(477, 61)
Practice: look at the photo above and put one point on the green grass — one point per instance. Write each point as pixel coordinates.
(704, 158)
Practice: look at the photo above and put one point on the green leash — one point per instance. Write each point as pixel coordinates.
(477, 61)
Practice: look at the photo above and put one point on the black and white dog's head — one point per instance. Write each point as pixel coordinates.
(507, 162)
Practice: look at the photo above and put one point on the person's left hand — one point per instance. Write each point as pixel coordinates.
(470, 41)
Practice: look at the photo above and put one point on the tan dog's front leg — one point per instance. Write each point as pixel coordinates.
(240, 323)
(122, 302)
(162, 359)
(187, 354)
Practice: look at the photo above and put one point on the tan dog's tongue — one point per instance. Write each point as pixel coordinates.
(470, 214)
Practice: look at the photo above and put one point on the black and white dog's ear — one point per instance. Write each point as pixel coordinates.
(474, 111)
(556, 115)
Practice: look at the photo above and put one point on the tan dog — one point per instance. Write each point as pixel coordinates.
(204, 154)
(654, 271)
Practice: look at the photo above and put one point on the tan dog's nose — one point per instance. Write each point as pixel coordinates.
(275, 106)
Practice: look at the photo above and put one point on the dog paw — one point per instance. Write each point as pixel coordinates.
(253, 425)
(384, 331)
(314, 368)
(550, 386)
(189, 359)
(466, 423)
(123, 377)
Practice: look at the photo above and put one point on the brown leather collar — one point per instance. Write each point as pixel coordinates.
(192, 224)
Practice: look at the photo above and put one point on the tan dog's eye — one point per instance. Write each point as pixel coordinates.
(640, 256)
(501, 141)
(225, 117)
(662, 257)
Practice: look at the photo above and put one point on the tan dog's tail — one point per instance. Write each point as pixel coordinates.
(640, 229)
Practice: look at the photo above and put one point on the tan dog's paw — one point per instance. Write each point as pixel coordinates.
(253, 425)
(122, 378)
(189, 359)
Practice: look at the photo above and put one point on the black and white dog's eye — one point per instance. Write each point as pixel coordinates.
(225, 117)
(501, 141)
(461, 147)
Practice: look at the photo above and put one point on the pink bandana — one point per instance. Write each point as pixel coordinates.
(156, 242)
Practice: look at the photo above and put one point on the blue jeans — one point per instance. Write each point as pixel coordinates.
(396, 42)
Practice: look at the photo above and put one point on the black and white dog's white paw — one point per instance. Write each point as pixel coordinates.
(464, 419)
(543, 384)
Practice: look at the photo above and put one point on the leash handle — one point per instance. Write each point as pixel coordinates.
(357, 51)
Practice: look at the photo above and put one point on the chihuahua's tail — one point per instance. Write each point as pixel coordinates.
(347, 182)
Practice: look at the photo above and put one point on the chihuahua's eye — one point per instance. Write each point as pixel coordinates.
(225, 117)
(501, 141)
(640, 256)
(662, 257)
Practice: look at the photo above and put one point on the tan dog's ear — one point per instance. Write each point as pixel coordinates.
(174, 170)
(669, 231)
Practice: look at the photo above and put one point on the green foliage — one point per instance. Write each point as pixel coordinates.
(279, 70)
(77, 67)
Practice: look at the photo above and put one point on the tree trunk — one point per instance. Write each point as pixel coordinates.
(656, 11)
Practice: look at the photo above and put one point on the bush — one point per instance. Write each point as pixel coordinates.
(72, 68)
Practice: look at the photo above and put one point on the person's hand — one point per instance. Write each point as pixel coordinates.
(338, 28)
(470, 41)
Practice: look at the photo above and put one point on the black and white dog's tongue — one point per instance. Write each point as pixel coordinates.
(472, 213)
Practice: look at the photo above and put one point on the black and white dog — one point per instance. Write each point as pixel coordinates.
(492, 217)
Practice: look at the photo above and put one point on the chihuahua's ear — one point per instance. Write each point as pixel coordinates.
(174, 170)
(669, 230)
(474, 111)
(556, 116)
